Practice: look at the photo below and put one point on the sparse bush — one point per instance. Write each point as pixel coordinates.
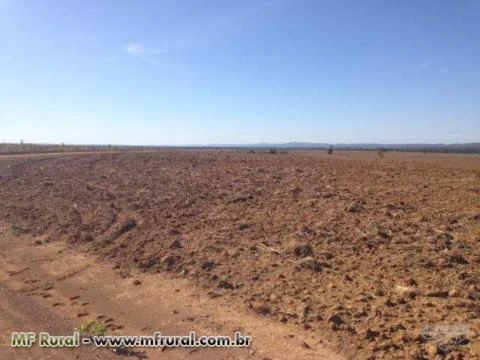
(92, 328)
(382, 152)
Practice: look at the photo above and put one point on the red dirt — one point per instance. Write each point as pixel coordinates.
(361, 251)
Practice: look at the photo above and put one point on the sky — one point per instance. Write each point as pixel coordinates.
(238, 72)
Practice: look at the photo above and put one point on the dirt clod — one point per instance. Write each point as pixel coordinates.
(302, 250)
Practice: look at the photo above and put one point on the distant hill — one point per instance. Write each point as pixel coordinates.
(8, 148)
(453, 148)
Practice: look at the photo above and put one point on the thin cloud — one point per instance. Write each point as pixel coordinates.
(148, 54)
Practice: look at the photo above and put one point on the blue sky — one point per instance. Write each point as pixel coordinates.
(202, 72)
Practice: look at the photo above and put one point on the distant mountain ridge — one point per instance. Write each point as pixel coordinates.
(10, 148)
(439, 147)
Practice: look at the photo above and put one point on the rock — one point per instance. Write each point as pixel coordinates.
(379, 291)
(87, 238)
(148, 263)
(438, 293)
(136, 282)
(240, 198)
(371, 334)
(418, 336)
(295, 191)
(336, 319)
(474, 295)
(302, 250)
(458, 259)
(399, 338)
(263, 310)
(447, 239)
(405, 291)
(385, 233)
(305, 345)
(356, 207)
(390, 302)
(453, 293)
(416, 354)
(327, 194)
(127, 226)
(387, 345)
(208, 265)
(175, 244)
(243, 226)
(431, 350)
(213, 294)
(311, 202)
(183, 272)
(306, 309)
(226, 284)
(169, 261)
(412, 282)
(311, 264)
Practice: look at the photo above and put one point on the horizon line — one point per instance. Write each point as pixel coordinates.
(294, 143)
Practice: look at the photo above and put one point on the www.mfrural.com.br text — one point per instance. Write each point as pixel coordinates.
(46, 340)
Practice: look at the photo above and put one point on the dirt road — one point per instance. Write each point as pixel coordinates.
(51, 287)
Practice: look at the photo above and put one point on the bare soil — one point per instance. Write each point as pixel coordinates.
(355, 252)
(56, 288)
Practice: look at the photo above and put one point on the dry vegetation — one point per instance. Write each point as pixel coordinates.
(362, 250)
(16, 149)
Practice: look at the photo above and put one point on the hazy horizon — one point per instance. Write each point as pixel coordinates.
(259, 144)
(174, 73)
